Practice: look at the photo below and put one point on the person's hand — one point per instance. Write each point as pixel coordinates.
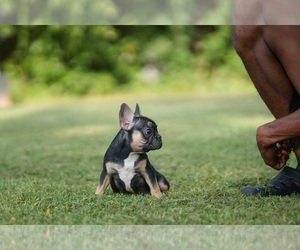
(275, 155)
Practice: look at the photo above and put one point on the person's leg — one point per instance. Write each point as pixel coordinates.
(284, 42)
(264, 69)
(272, 60)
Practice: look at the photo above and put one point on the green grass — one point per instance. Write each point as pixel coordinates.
(51, 156)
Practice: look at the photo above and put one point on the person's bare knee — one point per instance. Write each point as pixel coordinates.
(245, 38)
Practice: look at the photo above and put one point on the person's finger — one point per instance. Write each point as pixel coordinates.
(281, 161)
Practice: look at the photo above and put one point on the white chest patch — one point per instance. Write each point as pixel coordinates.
(127, 172)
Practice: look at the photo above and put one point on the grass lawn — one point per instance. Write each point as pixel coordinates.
(51, 156)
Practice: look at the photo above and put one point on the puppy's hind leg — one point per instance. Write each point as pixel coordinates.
(163, 184)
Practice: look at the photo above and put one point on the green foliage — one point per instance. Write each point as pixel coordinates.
(218, 52)
(215, 47)
(84, 60)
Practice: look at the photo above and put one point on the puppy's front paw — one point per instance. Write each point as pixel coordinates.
(157, 194)
(99, 190)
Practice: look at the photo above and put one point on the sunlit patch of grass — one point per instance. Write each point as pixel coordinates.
(82, 130)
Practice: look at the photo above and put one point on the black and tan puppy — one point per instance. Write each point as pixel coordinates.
(126, 166)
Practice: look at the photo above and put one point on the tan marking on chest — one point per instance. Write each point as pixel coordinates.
(112, 168)
(141, 166)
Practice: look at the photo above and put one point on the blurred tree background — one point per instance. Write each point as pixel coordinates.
(94, 60)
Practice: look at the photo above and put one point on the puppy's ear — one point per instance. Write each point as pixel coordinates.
(137, 112)
(125, 116)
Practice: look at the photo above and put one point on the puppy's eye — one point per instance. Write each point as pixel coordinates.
(148, 131)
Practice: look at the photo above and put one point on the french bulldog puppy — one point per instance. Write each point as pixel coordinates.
(126, 166)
